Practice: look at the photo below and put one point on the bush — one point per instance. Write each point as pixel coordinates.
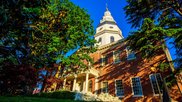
(57, 94)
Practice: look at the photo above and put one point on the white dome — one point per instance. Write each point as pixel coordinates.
(107, 16)
(107, 29)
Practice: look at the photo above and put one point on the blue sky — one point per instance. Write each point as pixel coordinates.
(96, 9)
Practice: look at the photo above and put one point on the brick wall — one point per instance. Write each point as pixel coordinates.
(125, 70)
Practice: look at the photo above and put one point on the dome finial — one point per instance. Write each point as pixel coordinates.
(107, 7)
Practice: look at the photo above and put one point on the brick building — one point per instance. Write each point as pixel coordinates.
(118, 70)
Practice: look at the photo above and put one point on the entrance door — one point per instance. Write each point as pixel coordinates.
(80, 86)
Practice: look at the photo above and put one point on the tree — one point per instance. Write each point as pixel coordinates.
(149, 41)
(65, 27)
(37, 33)
(17, 79)
(165, 23)
(14, 46)
(166, 14)
(138, 10)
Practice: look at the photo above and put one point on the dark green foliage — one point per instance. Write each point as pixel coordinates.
(138, 10)
(37, 33)
(61, 27)
(178, 45)
(165, 23)
(57, 95)
(65, 27)
(14, 32)
(16, 73)
(166, 14)
(32, 99)
(149, 40)
(163, 66)
(170, 80)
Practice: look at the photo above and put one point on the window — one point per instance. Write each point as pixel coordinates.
(111, 39)
(90, 86)
(111, 27)
(116, 56)
(80, 86)
(119, 88)
(104, 60)
(156, 82)
(101, 28)
(105, 87)
(136, 87)
(100, 40)
(130, 54)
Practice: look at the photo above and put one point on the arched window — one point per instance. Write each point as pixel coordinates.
(101, 28)
(111, 39)
(100, 40)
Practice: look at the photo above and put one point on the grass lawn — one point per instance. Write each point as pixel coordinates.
(31, 99)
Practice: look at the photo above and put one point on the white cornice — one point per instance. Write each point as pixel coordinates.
(113, 44)
(107, 31)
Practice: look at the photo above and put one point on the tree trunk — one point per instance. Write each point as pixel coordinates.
(169, 59)
(44, 82)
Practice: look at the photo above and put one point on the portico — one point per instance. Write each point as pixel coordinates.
(80, 82)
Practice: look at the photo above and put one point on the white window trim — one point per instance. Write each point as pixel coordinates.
(115, 62)
(116, 88)
(103, 86)
(152, 84)
(102, 60)
(133, 90)
(127, 52)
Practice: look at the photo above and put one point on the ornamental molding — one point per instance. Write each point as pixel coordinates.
(111, 45)
(107, 31)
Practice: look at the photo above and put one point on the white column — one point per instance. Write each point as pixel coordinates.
(64, 83)
(96, 85)
(86, 82)
(74, 83)
(54, 85)
(83, 86)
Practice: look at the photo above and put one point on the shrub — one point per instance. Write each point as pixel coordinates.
(57, 94)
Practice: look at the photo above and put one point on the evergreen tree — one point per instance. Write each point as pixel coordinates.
(158, 21)
(15, 72)
(138, 10)
(167, 14)
(150, 39)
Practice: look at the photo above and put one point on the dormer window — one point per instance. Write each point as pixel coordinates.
(111, 39)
